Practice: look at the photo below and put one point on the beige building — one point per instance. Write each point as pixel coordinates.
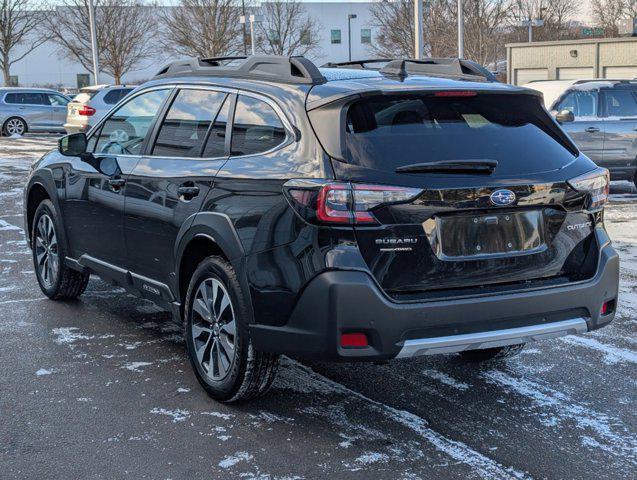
(572, 60)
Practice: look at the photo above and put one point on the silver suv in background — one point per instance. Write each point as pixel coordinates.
(600, 116)
(91, 104)
(31, 110)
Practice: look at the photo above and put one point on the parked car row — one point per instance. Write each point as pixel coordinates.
(25, 110)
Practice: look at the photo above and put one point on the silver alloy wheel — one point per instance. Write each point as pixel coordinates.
(213, 328)
(46, 251)
(15, 126)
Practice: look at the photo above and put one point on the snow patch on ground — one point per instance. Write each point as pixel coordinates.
(224, 416)
(43, 371)
(372, 457)
(177, 415)
(8, 227)
(484, 466)
(237, 457)
(612, 355)
(69, 335)
(446, 379)
(135, 366)
(612, 435)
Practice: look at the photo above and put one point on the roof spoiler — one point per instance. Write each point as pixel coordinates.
(275, 68)
(403, 67)
(454, 67)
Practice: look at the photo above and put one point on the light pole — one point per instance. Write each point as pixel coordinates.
(418, 30)
(460, 29)
(349, 34)
(530, 24)
(252, 19)
(243, 13)
(96, 62)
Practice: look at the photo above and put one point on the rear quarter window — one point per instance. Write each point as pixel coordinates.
(115, 95)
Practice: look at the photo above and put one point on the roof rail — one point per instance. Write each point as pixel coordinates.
(446, 67)
(357, 64)
(275, 68)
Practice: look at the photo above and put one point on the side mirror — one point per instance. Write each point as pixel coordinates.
(72, 145)
(565, 116)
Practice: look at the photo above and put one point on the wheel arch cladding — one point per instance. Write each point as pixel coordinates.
(36, 194)
(209, 234)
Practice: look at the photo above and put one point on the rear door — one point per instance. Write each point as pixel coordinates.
(58, 108)
(172, 179)
(465, 230)
(620, 140)
(587, 131)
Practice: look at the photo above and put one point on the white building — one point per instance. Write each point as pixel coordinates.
(46, 66)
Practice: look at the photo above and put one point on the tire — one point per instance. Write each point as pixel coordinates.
(14, 125)
(56, 280)
(217, 338)
(491, 354)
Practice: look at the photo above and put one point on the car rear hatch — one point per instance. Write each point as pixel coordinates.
(463, 191)
(78, 111)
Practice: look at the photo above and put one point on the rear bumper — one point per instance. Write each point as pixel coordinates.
(75, 128)
(338, 302)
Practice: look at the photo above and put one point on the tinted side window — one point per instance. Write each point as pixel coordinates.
(26, 98)
(620, 103)
(124, 131)
(256, 128)
(216, 144)
(581, 103)
(116, 95)
(184, 129)
(33, 98)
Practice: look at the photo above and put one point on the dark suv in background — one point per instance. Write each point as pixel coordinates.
(337, 214)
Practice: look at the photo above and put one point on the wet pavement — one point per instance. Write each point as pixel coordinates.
(101, 388)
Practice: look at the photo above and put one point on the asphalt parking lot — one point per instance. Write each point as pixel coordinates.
(101, 388)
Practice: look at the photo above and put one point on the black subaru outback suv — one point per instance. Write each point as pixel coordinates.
(346, 214)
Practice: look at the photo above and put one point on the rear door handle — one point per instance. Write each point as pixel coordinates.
(117, 183)
(188, 192)
(592, 129)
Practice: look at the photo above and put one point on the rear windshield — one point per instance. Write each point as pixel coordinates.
(386, 132)
(84, 97)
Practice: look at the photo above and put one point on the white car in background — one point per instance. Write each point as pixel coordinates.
(91, 104)
(551, 89)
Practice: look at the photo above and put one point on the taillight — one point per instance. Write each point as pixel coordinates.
(86, 111)
(596, 184)
(343, 203)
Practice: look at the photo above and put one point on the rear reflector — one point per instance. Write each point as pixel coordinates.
(608, 307)
(349, 340)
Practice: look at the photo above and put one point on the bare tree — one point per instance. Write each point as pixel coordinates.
(18, 28)
(123, 33)
(285, 29)
(395, 23)
(557, 16)
(485, 29)
(608, 14)
(203, 28)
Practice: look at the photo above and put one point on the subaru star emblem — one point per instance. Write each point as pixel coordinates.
(502, 197)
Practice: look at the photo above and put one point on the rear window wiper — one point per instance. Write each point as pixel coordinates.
(451, 166)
